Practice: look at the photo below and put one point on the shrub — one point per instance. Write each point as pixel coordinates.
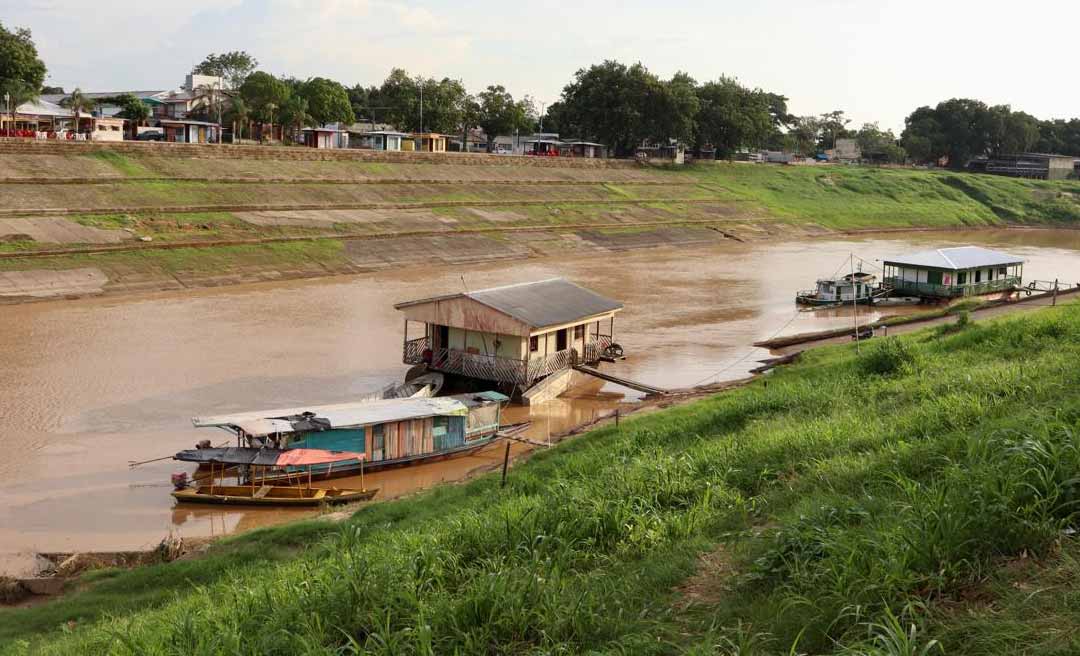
(890, 356)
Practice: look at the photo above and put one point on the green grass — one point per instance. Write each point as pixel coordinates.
(122, 163)
(853, 503)
(856, 197)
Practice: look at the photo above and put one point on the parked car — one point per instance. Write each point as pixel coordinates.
(501, 149)
(150, 135)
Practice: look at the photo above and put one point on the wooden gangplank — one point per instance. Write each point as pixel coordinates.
(625, 382)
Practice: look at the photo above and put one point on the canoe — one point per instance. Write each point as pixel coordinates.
(270, 495)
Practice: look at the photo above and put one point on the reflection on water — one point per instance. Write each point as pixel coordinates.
(90, 385)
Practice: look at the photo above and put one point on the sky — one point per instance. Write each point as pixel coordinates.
(876, 60)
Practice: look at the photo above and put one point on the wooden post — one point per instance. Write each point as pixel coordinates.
(1054, 302)
(506, 463)
(616, 417)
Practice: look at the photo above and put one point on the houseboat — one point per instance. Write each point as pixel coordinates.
(855, 287)
(513, 335)
(388, 432)
(948, 273)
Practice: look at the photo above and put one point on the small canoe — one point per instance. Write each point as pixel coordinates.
(270, 495)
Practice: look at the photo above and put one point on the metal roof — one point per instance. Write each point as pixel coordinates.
(537, 304)
(347, 415)
(546, 302)
(956, 258)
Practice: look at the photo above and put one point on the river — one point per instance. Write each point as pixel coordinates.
(89, 385)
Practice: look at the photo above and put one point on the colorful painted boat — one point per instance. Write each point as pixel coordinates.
(388, 432)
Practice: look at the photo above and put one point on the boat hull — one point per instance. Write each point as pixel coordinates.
(369, 467)
(279, 496)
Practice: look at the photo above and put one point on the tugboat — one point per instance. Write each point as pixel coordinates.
(858, 287)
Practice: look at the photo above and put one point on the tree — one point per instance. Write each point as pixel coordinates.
(134, 110)
(732, 117)
(1011, 132)
(238, 114)
(833, 127)
(605, 102)
(499, 113)
(234, 67)
(21, 70)
(52, 90)
(264, 95)
(806, 132)
(879, 145)
(295, 114)
(78, 102)
(671, 109)
(327, 101)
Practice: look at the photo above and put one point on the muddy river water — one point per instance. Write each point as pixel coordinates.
(86, 386)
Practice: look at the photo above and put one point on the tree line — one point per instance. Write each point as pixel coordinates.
(619, 105)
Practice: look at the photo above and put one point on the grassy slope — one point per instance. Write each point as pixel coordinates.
(925, 482)
(854, 197)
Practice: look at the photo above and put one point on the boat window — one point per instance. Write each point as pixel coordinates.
(440, 426)
(377, 438)
(534, 344)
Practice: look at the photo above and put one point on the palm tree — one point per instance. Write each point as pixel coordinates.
(240, 114)
(294, 113)
(78, 102)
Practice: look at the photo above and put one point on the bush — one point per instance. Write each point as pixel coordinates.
(890, 356)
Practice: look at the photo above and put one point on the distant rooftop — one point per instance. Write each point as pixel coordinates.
(956, 258)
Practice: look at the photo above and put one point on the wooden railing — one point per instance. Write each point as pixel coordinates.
(415, 349)
(499, 368)
(972, 289)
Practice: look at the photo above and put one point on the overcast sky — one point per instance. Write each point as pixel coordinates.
(875, 59)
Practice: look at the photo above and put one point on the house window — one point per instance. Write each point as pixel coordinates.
(978, 275)
(579, 332)
(961, 278)
(534, 344)
(1002, 272)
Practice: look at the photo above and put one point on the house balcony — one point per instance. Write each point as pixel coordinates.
(910, 287)
(501, 369)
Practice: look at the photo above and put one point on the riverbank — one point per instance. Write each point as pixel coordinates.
(136, 217)
(760, 517)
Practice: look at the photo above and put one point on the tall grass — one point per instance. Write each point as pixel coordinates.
(854, 498)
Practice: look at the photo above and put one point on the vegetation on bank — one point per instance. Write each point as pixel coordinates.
(920, 495)
(849, 197)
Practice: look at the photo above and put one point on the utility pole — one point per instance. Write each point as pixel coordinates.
(1054, 302)
(421, 106)
(854, 301)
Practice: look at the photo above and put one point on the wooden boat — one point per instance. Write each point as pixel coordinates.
(270, 495)
(387, 433)
(252, 490)
(830, 292)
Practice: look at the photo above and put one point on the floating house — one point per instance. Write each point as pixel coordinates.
(389, 432)
(953, 272)
(513, 335)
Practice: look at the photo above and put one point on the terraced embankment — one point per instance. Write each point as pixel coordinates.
(79, 219)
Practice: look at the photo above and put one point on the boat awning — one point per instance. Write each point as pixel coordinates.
(342, 415)
(266, 457)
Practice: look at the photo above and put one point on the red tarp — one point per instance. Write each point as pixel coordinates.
(296, 457)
